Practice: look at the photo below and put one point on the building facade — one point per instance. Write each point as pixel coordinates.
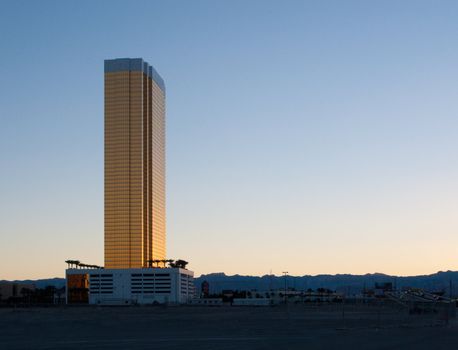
(129, 286)
(134, 198)
(135, 231)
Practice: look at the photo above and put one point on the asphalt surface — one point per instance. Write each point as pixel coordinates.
(280, 327)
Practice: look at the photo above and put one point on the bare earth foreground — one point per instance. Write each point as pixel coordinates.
(280, 327)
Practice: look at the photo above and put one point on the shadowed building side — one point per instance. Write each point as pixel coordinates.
(134, 164)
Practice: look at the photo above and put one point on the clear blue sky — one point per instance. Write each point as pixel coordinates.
(302, 136)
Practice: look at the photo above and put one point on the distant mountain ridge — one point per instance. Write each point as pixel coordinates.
(340, 282)
(42, 283)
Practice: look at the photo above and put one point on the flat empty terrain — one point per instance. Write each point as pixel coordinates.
(187, 327)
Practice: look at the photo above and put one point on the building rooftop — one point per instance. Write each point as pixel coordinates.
(134, 65)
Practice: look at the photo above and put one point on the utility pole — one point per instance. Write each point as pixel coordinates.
(270, 281)
(285, 273)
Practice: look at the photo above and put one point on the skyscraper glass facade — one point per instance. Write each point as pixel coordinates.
(135, 229)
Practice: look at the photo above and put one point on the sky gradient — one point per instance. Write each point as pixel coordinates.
(302, 136)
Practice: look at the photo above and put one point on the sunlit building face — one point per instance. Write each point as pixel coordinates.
(134, 164)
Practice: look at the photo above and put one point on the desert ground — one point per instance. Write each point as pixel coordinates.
(224, 327)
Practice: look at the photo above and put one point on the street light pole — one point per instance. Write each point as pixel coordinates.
(285, 273)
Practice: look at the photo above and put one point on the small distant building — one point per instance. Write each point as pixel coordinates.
(380, 289)
(388, 286)
(252, 302)
(129, 286)
(207, 301)
(205, 289)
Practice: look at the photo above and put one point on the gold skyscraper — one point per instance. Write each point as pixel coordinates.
(134, 164)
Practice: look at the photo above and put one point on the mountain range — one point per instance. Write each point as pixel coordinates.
(348, 283)
(440, 281)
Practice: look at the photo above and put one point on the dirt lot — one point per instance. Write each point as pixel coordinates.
(280, 327)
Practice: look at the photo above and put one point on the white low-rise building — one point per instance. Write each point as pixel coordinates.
(252, 302)
(129, 286)
(207, 301)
